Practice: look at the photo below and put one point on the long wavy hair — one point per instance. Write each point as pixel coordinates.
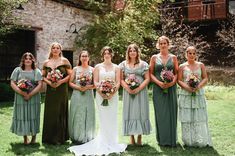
(22, 65)
(137, 49)
(80, 55)
(50, 49)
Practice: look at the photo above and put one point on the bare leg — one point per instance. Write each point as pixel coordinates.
(26, 141)
(132, 140)
(33, 140)
(139, 140)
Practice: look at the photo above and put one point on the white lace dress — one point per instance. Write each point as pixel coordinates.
(106, 141)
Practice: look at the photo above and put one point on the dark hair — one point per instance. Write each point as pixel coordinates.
(106, 48)
(22, 65)
(137, 49)
(80, 55)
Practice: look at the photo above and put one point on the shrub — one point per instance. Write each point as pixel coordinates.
(6, 92)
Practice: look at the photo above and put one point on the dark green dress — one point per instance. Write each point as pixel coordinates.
(165, 106)
(55, 125)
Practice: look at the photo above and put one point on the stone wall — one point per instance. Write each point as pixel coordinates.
(50, 20)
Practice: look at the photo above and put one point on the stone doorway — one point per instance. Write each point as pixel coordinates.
(69, 55)
(12, 47)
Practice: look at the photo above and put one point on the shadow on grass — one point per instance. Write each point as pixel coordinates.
(21, 149)
(43, 149)
(185, 151)
(144, 150)
(55, 150)
(147, 150)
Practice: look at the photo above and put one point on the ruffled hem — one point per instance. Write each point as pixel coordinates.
(196, 134)
(185, 92)
(192, 115)
(189, 101)
(132, 127)
(22, 128)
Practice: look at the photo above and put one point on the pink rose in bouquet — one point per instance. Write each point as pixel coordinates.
(26, 85)
(193, 82)
(107, 87)
(84, 79)
(166, 76)
(54, 75)
(132, 81)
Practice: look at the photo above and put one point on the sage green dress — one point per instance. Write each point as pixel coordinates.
(165, 106)
(55, 125)
(136, 108)
(82, 111)
(26, 114)
(193, 115)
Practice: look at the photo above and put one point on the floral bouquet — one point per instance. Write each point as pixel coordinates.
(85, 79)
(26, 85)
(132, 82)
(193, 82)
(107, 87)
(166, 76)
(54, 76)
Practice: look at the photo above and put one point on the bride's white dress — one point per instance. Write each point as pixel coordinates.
(106, 141)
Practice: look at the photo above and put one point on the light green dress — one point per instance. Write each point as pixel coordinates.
(193, 115)
(26, 114)
(136, 109)
(82, 112)
(165, 106)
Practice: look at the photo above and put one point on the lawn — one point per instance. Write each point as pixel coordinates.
(221, 112)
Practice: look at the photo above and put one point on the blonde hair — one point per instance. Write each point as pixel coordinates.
(137, 49)
(163, 38)
(50, 49)
(190, 48)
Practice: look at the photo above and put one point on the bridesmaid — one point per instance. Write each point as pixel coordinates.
(55, 125)
(82, 108)
(135, 102)
(192, 109)
(26, 114)
(106, 141)
(165, 104)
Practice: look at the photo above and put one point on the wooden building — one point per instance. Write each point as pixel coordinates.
(200, 10)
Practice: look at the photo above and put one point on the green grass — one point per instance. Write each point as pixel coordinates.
(221, 112)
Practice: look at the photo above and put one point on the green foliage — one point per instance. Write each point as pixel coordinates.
(7, 94)
(181, 34)
(6, 14)
(120, 28)
(220, 93)
(226, 39)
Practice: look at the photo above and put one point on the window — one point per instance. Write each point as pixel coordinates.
(231, 7)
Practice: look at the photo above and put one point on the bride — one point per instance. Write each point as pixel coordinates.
(106, 141)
